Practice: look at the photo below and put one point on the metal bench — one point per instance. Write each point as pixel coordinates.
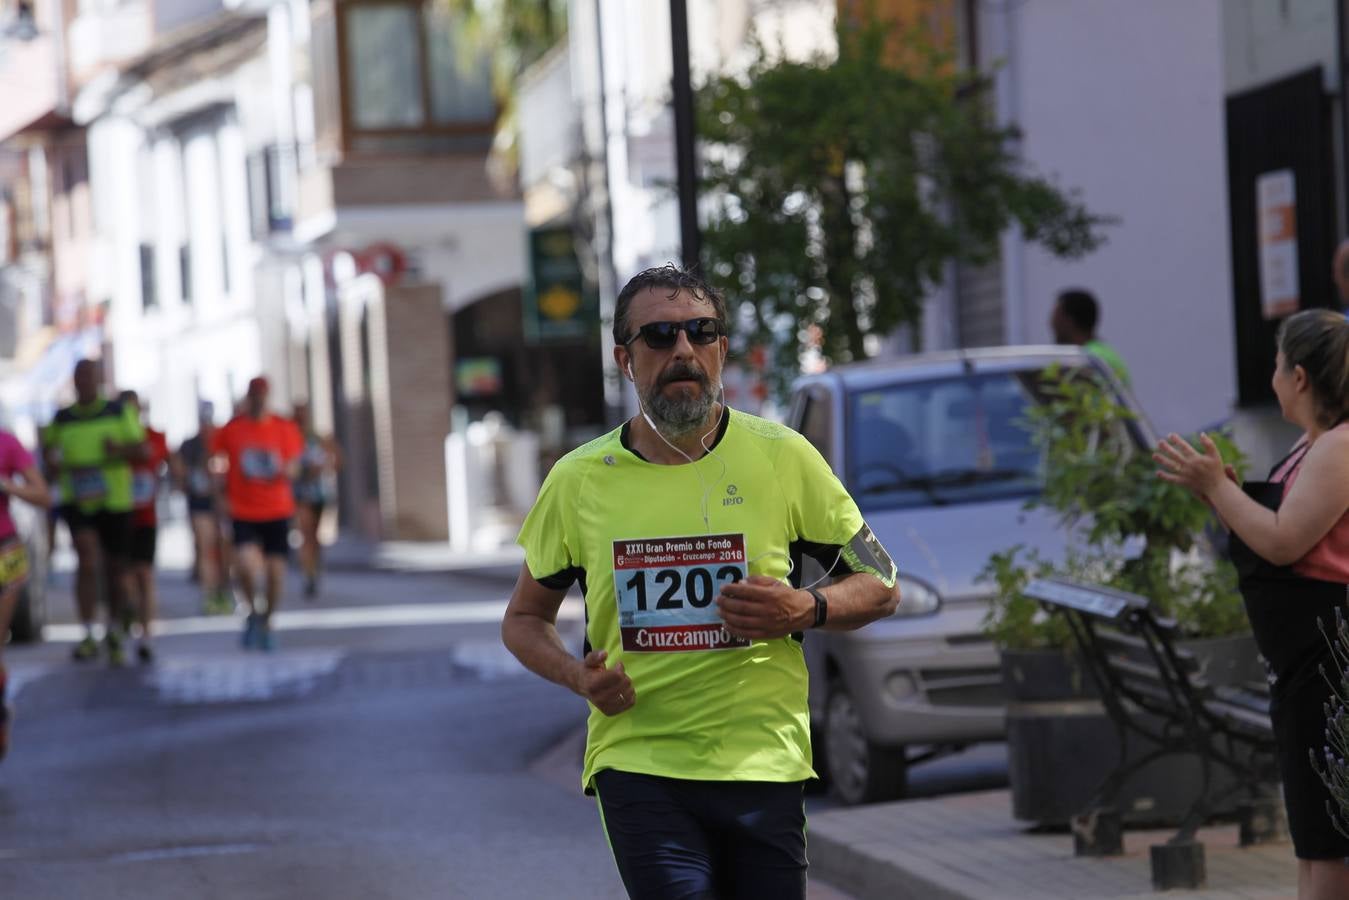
(1156, 691)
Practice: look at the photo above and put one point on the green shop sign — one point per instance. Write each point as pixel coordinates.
(557, 303)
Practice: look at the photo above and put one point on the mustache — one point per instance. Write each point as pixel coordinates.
(680, 371)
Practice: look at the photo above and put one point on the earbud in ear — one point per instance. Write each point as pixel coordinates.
(630, 375)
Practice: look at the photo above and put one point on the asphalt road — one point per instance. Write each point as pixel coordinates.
(390, 748)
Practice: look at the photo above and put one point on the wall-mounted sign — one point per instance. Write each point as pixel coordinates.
(478, 376)
(1276, 207)
(557, 303)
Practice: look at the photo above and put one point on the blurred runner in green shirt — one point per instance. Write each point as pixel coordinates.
(1074, 322)
(89, 447)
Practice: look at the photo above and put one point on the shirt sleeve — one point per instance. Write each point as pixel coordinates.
(133, 432)
(219, 441)
(826, 523)
(159, 449)
(294, 441)
(544, 534)
(15, 457)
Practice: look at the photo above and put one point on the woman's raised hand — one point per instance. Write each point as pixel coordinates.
(1182, 464)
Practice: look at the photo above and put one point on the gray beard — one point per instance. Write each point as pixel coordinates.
(681, 415)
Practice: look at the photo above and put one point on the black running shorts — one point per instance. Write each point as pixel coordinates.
(673, 837)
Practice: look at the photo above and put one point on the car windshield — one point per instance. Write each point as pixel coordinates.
(945, 441)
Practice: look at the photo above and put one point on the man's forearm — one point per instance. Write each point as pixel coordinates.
(858, 600)
(538, 646)
(128, 452)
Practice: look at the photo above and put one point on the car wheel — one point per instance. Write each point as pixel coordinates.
(859, 771)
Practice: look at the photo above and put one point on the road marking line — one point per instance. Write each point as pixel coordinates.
(184, 852)
(467, 613)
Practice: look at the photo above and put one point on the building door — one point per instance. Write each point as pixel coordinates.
(1279, 169)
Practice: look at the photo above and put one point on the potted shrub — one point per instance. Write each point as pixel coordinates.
(1332, 761)
(1128, 530)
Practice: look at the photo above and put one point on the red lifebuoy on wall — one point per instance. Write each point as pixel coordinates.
(383, 259)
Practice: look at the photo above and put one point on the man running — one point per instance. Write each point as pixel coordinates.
(313, 492)
(91, 445)
(261, 453)
(191, 468)
(1074, 320)
(683, 527)
(145, 476)
(19, 477)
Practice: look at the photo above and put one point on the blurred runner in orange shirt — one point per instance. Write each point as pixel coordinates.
(145, 475)
(261, 452)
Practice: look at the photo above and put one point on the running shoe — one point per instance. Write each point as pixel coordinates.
(266, 640)
(116, 653)
(311, 588)
(252, 628)
(85, 650)
(145, 653)
(221, 603)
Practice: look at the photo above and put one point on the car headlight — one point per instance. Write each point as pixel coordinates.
(916, 598)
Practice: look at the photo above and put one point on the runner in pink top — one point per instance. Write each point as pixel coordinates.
(13, 460)
(19, 477)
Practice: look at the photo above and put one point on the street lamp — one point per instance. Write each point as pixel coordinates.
(690, 240)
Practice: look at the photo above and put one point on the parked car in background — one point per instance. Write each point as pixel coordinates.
(934, 450)
(30, 615)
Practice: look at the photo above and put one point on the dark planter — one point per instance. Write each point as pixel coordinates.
(1061, 744)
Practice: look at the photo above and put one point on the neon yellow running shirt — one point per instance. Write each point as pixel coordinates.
(89, 480)
(709, 706)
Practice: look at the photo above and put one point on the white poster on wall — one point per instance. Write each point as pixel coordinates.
(1276, 207)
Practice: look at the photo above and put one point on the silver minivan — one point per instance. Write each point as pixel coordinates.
(933, 449)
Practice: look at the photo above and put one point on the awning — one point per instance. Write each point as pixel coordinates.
(33, 393)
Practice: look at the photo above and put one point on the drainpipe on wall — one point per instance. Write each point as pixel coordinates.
(1342, 49)
(1013, 244)
(617, 405)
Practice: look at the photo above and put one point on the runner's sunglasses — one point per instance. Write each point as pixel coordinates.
(662, 335)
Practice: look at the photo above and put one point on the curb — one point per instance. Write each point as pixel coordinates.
(871, 875)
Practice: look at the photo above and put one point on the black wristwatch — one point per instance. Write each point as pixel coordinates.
(821, 608)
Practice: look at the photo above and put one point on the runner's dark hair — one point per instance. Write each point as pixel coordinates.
(668, 278)
(1318, 341)
(1081, 309)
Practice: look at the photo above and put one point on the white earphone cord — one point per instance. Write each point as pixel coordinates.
(707, 488)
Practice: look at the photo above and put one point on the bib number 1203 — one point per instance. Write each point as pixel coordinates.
(697, 587)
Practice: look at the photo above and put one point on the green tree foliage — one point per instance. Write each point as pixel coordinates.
(1132, 530)
(840, 189)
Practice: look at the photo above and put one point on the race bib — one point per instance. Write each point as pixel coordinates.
(199, 482)
(667, 590)
(259, 464)
(88, 485)
(13, 564)
(143, 487)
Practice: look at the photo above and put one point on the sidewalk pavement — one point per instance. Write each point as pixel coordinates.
(969, 846)
(353, 553)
